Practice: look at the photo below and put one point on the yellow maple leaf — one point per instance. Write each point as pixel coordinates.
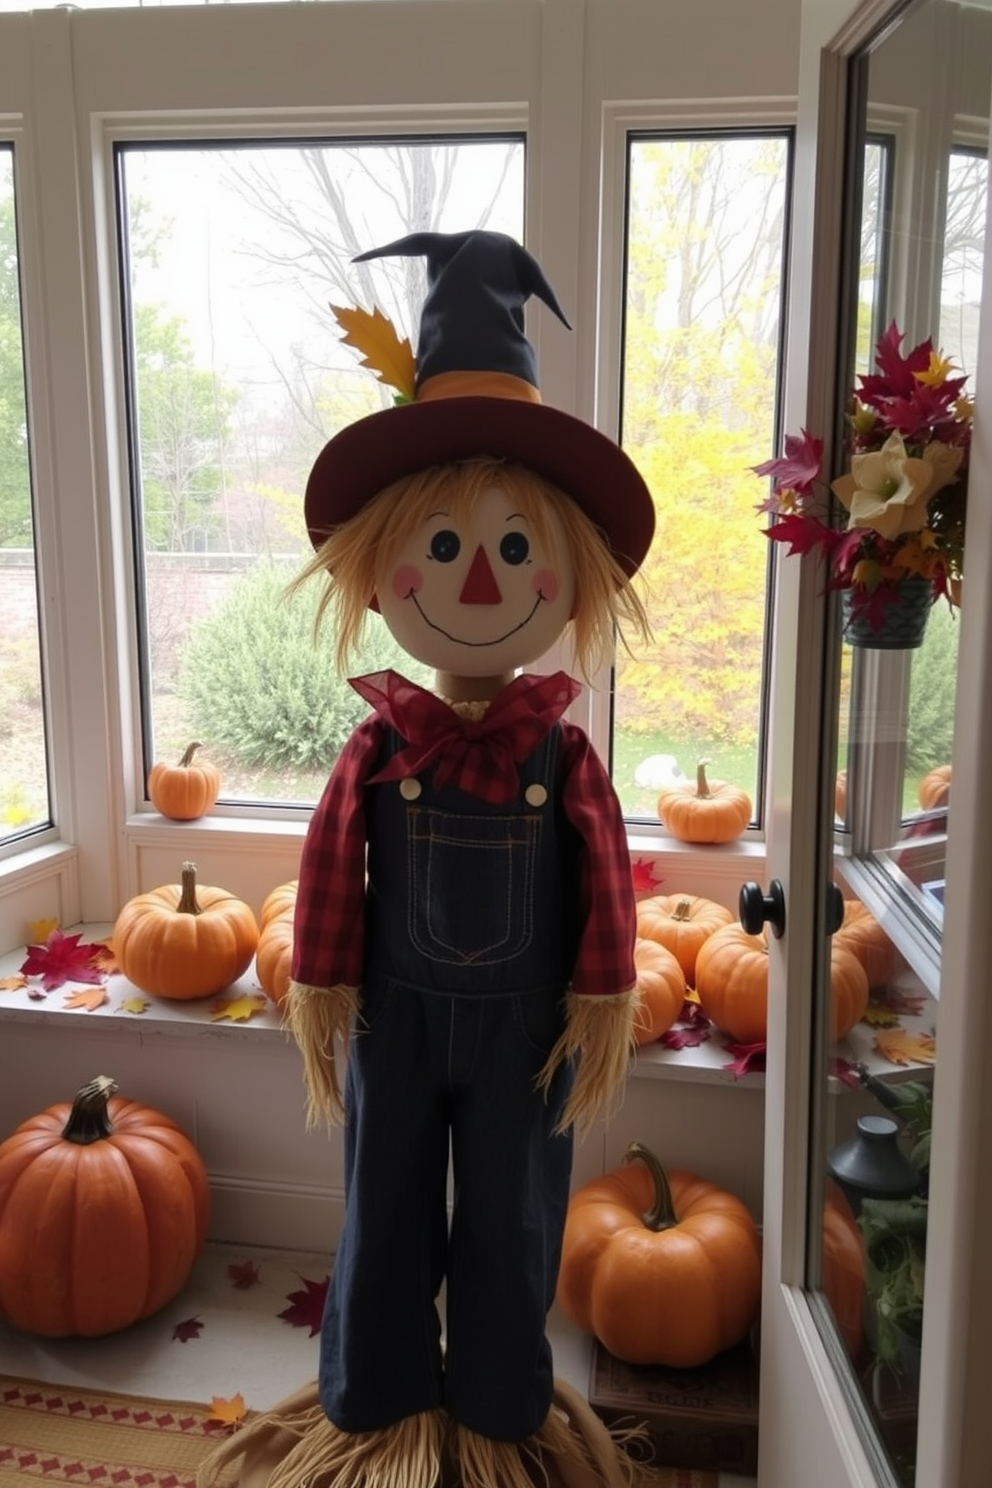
(40, 930)
(900, 1047)
(13, 983)
(86, 997)
(239, 1009)
(229, 1411)
(375, 336)
(135, 1004)
(880, 1017)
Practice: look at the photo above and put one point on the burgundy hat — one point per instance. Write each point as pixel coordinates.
(476, 396)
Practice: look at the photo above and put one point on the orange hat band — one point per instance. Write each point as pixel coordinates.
(477, 385)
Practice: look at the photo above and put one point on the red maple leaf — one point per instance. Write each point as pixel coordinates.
(748, 1059)
(799, 467)
(802, 533)
(307, 1307)
(62, 959)
(642, 872)
(243, 1274)
(692, 1029)
(188, 1328)
(844, 1071)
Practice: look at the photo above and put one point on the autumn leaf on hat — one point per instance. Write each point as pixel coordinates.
(375, 336)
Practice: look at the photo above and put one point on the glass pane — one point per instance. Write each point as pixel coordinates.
(705, 248)
(24, 798)
(239, 376)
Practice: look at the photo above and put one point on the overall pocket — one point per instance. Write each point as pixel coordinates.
(471, 885)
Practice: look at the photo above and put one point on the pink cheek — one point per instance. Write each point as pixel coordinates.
(545, 584)
(407, 580)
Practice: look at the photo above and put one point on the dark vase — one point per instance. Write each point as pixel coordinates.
(903, 623)
(872, 1165)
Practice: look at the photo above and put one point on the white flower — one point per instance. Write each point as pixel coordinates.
(888, 490)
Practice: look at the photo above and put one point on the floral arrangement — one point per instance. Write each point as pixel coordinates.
(908, 438)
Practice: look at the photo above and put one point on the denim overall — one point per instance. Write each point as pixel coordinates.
(471, 935)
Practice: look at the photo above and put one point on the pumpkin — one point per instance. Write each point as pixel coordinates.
(861, 933)
(934, 790)
(103, 1210)
(708, 811)
(843, 1268)
(661, 990)
(273, 959)
(662, 1268)
(681, 922)
(840, 795)
(184, 940)
(732, 985)
(185, 791)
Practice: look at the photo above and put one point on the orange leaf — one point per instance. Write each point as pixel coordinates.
(86, 997)
(373, 334)
(900, 1047)
(105, 958)
(229, 1411)
(13, 983)
(239, 1009)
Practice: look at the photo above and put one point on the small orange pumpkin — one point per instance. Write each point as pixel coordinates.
(184, 940)
(710, 811)
(103, 1210)
(274, 957)
(185, 791)
(277, 902)
(662, 1268)
(934, 790)
(681, 922)
(732, 985)
(861, 933)
(661, 987)
(843, 1268)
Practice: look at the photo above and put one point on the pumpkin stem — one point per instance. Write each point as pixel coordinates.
(187, 899)
(683, 910)
(661, 1215)
(188, 754)
(89, 1120)
(702, 784)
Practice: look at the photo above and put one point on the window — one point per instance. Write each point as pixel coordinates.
(24, 797)
(238, 376)
(705, 264)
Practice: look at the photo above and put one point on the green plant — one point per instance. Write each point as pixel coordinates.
(261, 688)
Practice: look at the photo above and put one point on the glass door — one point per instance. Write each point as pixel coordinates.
(877, 867)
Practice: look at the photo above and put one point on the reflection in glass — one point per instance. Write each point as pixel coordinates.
(24, 800)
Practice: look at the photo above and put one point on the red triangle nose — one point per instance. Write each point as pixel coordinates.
(480, 585)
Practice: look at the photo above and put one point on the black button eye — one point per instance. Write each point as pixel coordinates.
(514, 548)
(445, 545)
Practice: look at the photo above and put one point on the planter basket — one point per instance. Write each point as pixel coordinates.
(903, 624)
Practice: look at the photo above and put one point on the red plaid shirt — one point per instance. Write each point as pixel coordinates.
(328, 936)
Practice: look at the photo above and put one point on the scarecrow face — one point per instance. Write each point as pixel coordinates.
(479, 596)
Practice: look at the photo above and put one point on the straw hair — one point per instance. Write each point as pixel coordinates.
(606, 601)
(599, 1031)
(317, 1017)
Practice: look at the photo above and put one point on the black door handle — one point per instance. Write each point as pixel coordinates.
(755, 908)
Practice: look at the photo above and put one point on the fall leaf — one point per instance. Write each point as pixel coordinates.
(876, 1015)
(904, 1004)
(61, 959)
(748, 1059)
(104, 956)
(845, 1071)
(40, 930)
(243, 1274)
(373, 334)
(135, 1004)
(900, 1047)
(188, 1328)
(684, 1036)
(239, 1009)
(307, 1307)
(642, 872)
(90, 1000)
(229, 1411)
(13, 983)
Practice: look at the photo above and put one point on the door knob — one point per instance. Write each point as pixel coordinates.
(755, 908)
(835, 908)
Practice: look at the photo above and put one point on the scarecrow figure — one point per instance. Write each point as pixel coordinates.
(465, 912)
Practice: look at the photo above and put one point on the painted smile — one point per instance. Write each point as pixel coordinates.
(459, 640)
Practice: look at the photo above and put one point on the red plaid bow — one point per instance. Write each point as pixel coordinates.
(479, 757)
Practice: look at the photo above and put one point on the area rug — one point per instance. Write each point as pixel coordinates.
(56, 1434)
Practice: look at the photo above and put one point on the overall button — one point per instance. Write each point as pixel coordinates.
(410, 788)
(535, 795)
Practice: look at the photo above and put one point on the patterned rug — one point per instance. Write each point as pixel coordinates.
(51, 1434)
(55, 1434)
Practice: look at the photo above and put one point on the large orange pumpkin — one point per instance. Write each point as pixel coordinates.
(708, 811)
(681, 922)
(103, 1210)
(661, 988)
(861, 933)
(732, 985)
(184, 791)
(843, 1269)
(184, 940)
(662, 1268)
(274, 957)
(934, 789)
